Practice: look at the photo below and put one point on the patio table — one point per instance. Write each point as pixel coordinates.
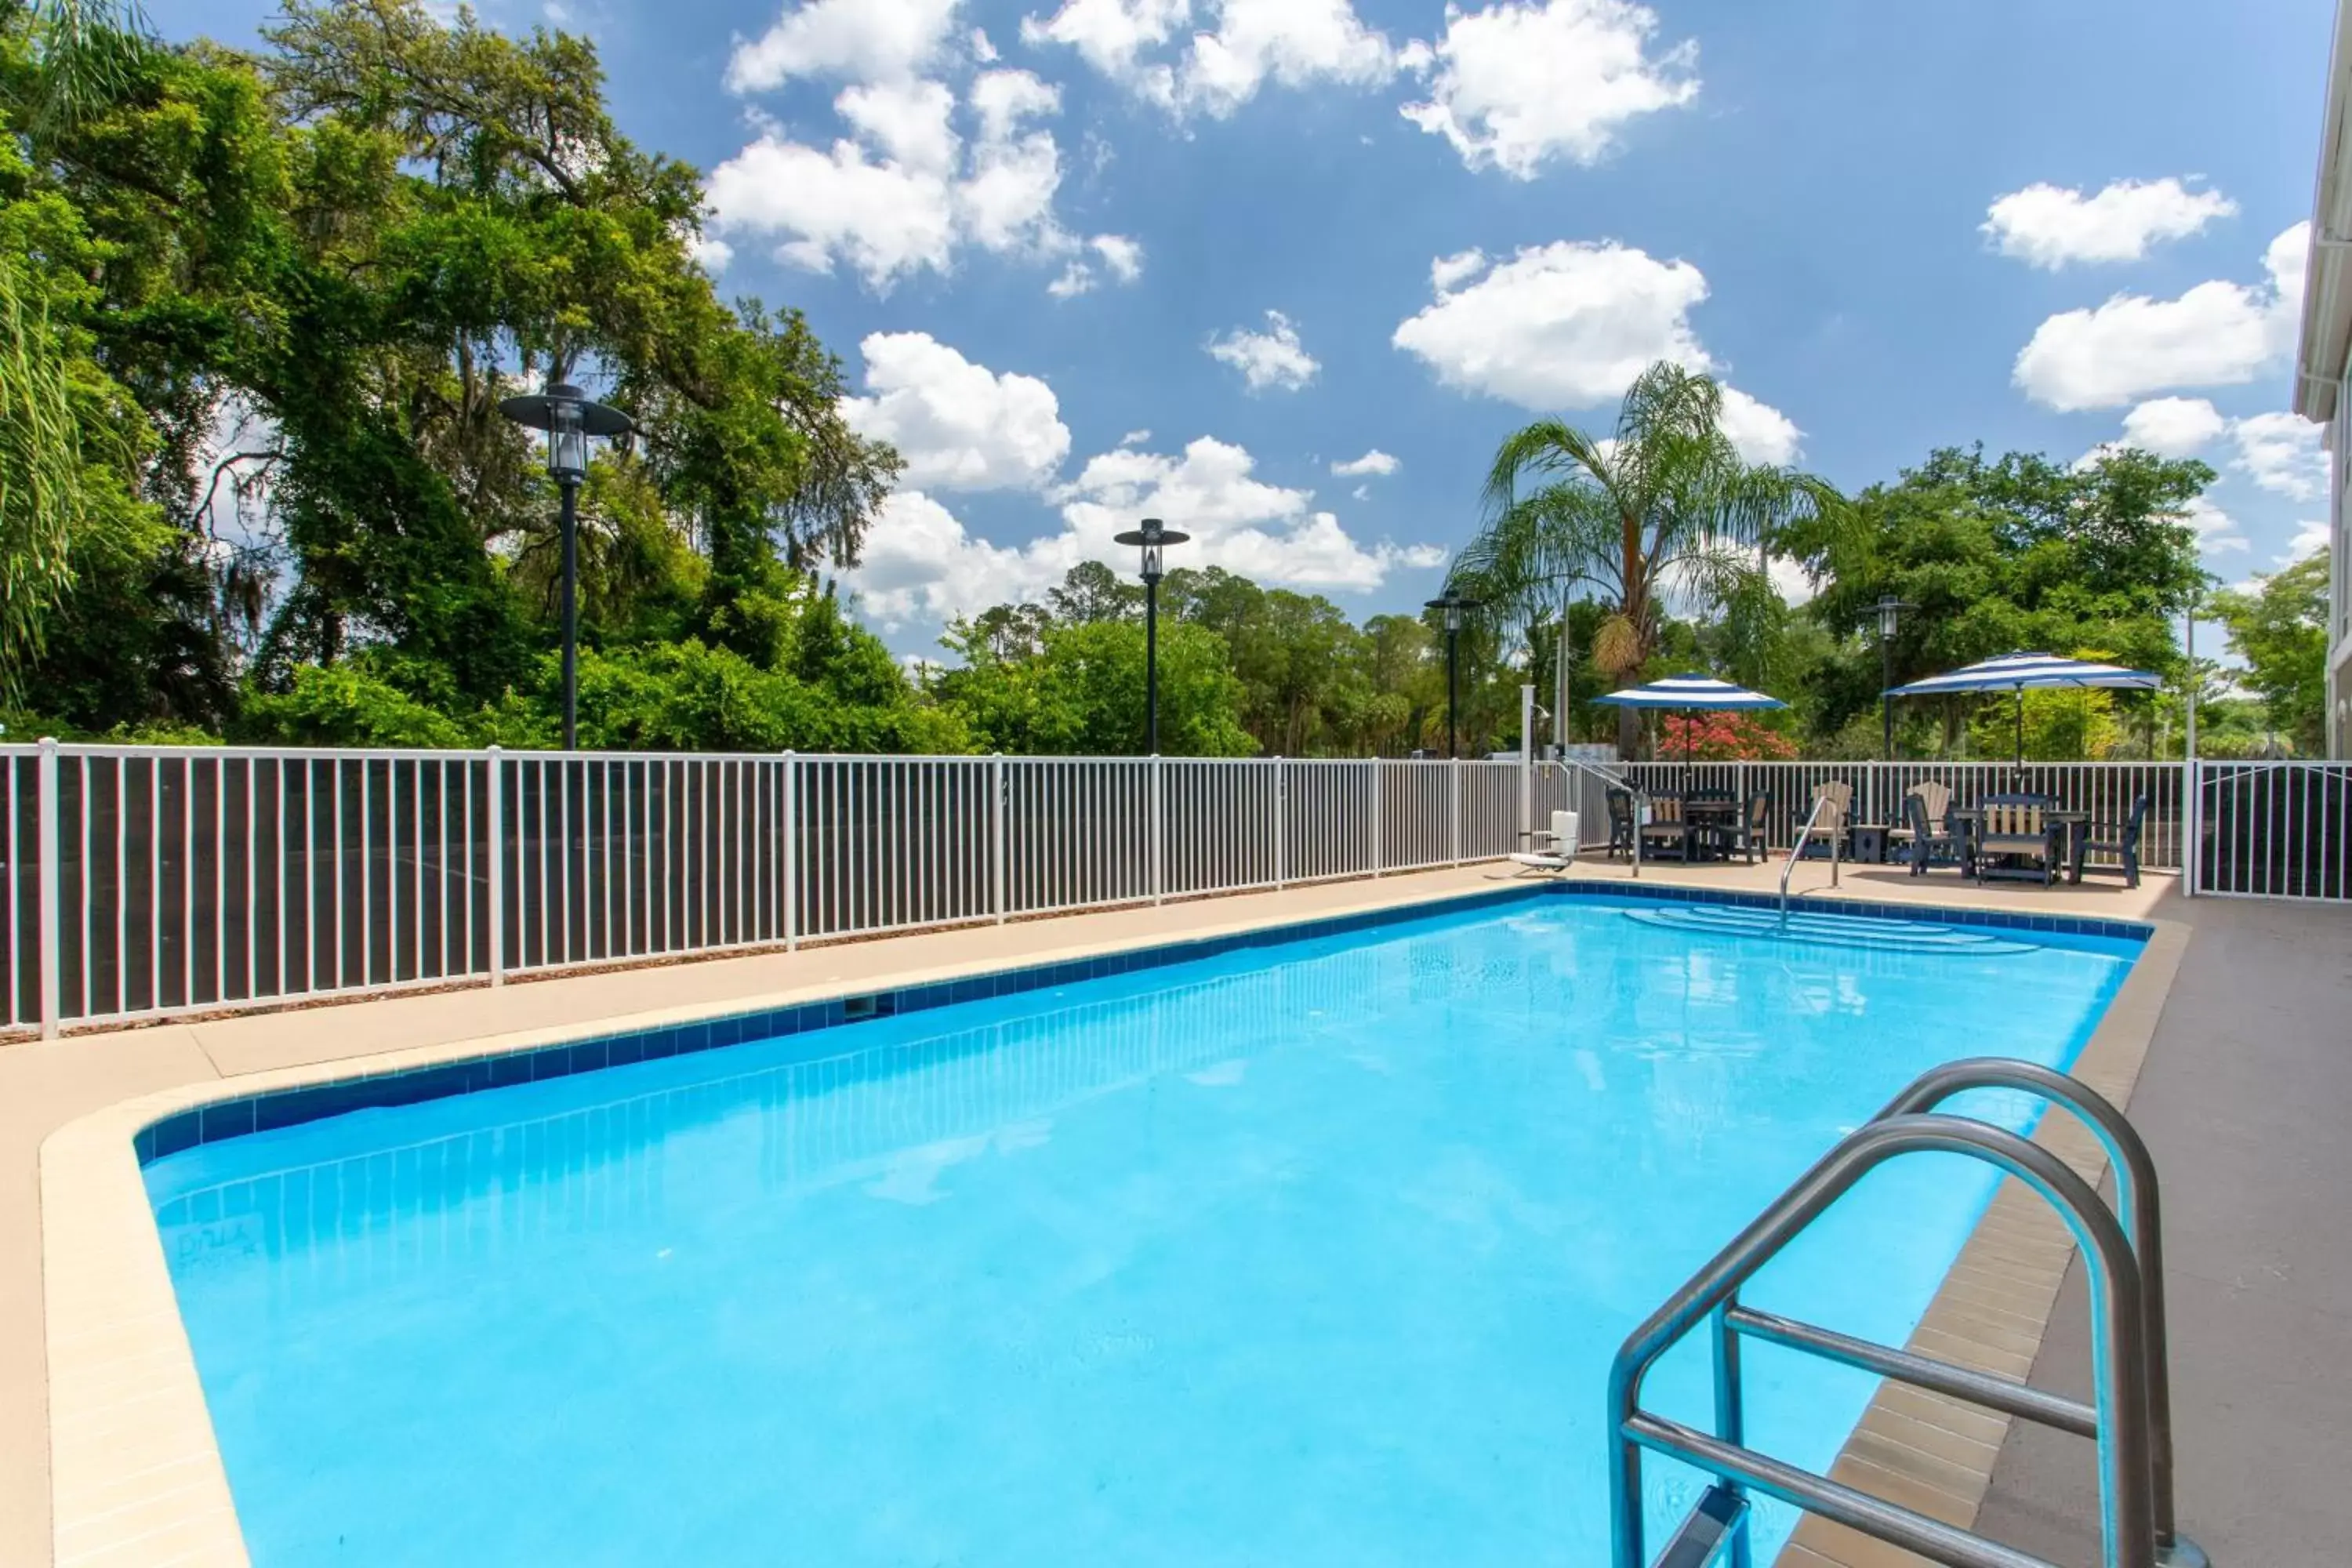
(1709, 819)
(2071, 824)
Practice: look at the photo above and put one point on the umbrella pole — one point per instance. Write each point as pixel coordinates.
(2021, 732)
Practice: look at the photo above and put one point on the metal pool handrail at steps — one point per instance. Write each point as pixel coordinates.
(2130, 1419)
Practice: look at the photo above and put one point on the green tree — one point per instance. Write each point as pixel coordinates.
(1663, 504)
(1994, 557)
(354, 243)
(2280, 629)
(1081, 693)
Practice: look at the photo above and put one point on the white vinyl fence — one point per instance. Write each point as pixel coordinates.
(149, 882)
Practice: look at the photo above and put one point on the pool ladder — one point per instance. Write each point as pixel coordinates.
(2130, 1417)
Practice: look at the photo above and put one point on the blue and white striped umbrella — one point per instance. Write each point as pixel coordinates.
(2019, 671)
(1689, 691)
(2016, 672)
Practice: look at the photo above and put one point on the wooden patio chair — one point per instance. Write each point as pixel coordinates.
(2108, 838)
(2018, 828)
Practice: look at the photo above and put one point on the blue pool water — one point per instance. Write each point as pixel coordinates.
(1314, 1254)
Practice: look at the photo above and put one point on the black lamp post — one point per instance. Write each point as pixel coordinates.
(1454, 606)
(1890, 613)
(565, 412)
(1152, 538)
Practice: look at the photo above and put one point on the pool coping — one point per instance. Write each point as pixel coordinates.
(136, 1476)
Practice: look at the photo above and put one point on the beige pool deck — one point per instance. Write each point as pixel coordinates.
(106, 1455)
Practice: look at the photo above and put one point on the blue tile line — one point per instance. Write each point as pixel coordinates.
(407, 1086)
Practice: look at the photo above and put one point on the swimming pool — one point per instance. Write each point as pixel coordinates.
(1306, 1254)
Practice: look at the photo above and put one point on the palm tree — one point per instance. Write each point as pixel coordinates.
(1666, 505)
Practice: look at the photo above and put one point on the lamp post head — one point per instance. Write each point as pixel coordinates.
(1890, 612)
(570, 417)
(1455, 606)
(1152, 538)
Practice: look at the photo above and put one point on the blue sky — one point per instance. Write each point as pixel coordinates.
(1050, 272)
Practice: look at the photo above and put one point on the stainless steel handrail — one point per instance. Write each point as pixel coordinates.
(2119, 1357)
(1797, 853)
(2137, 1207)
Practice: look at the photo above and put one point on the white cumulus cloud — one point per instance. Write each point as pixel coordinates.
(2309, 539)
(1273, 358)
(2173, 426)
(1151, 48)
(1518, 85)
(2217, 532)
(1762, 433)
(922, 566)
(2218, 333)
(2281, 453)
(2051, 225)
(905, 191)
(1448, 272)
(1372, 462)
(1122, 257)
(1267, 531)
(855, 39)
(1569, 325)
(957, 424)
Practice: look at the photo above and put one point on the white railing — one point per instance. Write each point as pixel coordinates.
(2105, 790)
(148, 881)
(2281, 830)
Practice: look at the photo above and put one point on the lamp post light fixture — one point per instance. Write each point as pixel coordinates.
(1152, 538)
(1454, 607)
(1890, 615)
(569, 418)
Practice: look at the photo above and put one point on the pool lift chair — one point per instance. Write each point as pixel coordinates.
(2130, 1417)
(1561, 854)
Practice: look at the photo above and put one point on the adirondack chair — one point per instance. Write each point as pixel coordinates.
(1829, 829)
(2107, 838)
(2017, 828)
(1931, 825)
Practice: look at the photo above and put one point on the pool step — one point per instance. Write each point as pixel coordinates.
(1835, 930)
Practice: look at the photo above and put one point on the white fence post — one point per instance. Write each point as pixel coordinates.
(1159, 828)
(494, 764)
(51, 897)
(1453, 811)
(1279, 861)
(996, 835)
(1378, 791)
(2191, 836)
(1527, 760)
(792, 852)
